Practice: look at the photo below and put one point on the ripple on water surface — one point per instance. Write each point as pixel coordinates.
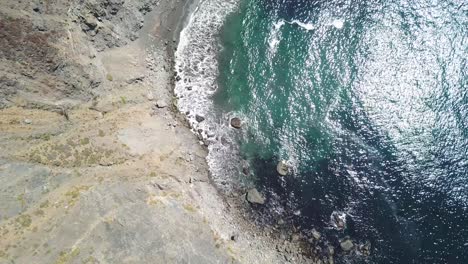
(366, 100)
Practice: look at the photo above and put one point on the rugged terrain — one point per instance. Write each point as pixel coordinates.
(96, 166)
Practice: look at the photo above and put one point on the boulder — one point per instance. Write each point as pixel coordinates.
(282, 168)
(316, 234)
(161, 104)
(331, 250)
(365, 248)
(253, 196)
(236, 122)
(346, 244)
(338, 220)
(199, 118)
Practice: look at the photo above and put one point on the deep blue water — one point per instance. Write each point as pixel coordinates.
(368, 103)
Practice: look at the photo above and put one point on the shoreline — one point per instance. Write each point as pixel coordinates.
(291, 245)
(274, 245)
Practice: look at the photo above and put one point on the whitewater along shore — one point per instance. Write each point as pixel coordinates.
(96, 164)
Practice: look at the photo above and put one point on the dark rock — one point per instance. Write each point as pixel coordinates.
(338, 220)
(234, 237)
(199, 118)
(365, 248)
(253, 196)
(236, 122)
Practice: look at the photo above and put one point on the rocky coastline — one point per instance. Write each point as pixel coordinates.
(97, 165)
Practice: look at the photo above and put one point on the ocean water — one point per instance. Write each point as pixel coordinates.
(367, 101)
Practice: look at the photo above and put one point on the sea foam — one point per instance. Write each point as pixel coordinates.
(197, 69)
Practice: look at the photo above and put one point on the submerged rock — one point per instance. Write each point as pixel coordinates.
(253, 196)
(236, 122)
(365, 248)
(316, 234)
(282, 168)
(331, 250)
(346, 244)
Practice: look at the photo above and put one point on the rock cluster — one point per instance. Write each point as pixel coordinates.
(112, 23)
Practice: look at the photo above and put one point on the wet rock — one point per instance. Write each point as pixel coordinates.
(199, 118)
(338, 220)
(282, 168)
(161, 104)
(236, 122)
(346, 244)
(210, 134)
(253, 196)
(365, 248)
(316, 234)
(331, 250)
(295, 238)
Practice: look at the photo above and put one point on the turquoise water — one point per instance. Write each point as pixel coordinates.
(368, 103)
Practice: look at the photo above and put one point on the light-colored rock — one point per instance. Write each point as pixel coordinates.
(331, 250)
(150, 96)
(316, 234)
(161, 104)
(253, 196)
(282, 168)
(346, 244)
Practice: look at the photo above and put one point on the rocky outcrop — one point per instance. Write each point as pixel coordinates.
(112, 23)
(32, 63)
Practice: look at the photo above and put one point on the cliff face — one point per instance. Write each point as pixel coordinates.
(91, 170)
(47, 48)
